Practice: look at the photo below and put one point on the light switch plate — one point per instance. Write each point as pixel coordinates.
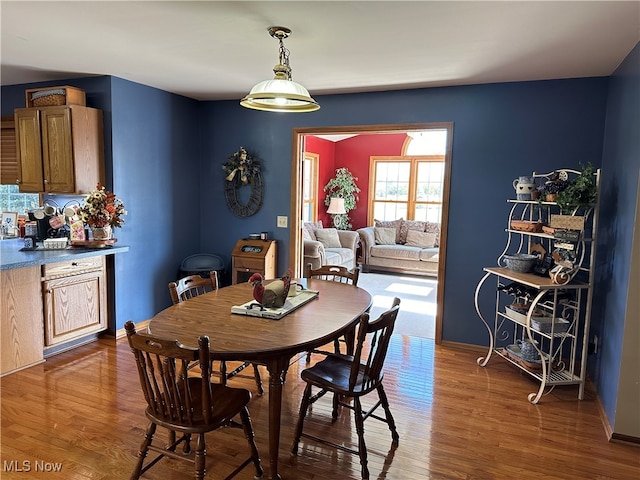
(282, 221)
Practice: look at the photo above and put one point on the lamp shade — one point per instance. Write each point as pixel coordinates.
(336, 206)
(281, 94)
(278, 95)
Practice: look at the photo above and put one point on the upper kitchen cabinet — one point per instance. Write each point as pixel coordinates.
(60, 149)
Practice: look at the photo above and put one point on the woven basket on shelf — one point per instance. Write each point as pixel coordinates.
(526, 226)
(49, 101)
(54, 96)
(49, 98)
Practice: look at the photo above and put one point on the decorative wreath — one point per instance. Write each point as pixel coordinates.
(243, 169)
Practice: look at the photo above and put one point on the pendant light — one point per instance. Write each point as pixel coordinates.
(280, 94)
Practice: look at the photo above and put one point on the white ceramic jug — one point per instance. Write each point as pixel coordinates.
(524, 186)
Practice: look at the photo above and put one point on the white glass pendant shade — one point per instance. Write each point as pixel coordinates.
(281, 94)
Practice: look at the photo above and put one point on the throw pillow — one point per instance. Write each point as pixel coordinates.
(432, 227)
(420, 239)
(311, 227)
(384, 236)
(390, 224)
(328, 237)
(410, 225)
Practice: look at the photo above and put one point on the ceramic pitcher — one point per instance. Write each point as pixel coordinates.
(524, 186)
(527, 350)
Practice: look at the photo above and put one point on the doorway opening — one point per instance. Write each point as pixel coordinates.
(300, 136)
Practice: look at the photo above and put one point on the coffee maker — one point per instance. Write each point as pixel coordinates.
(44, 229)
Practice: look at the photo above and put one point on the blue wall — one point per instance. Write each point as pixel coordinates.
(165, 153)
(621, 166)
(501, 131)
(156, 156)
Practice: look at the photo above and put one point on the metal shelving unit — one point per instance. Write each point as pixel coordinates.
(562, 347)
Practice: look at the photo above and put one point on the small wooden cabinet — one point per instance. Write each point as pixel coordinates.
(75, 299)
(59, 149)
(254, 256)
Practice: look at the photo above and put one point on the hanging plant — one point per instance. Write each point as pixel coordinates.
(243, 170)
(343, 185)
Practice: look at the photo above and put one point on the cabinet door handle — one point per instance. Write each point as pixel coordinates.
(46, 181)
(17, 181)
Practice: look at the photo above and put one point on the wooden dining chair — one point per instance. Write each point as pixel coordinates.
(186, 404)
(333, 273)
(353, 377)
(194, 285)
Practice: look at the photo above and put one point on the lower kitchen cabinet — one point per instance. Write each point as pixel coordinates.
(21, 326)
(75, 300)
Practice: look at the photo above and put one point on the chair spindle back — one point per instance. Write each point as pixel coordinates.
(372, 344)
(334, 273)
(162, 368)
(192, 286)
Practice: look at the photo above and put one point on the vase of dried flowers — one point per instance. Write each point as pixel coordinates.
(102, 211)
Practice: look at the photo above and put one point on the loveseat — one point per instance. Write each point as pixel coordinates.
(401, 246)
(329, 246)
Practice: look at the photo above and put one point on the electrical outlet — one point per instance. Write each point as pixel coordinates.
(282, 221)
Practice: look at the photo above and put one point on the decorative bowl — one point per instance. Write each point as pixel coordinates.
(520, 262)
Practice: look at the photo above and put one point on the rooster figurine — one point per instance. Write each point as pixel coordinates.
(274, 294)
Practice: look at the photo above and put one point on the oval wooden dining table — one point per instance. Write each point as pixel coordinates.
(334, 312)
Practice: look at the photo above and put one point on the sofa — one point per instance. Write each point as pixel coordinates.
(401, 246)
(329, 246)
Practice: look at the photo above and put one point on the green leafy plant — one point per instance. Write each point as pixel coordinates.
(581, 191)
(343, 185)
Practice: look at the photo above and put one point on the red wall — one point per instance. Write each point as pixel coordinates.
(326, 170)
(354, 153)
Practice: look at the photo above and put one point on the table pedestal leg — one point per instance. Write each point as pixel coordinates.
(277, 374)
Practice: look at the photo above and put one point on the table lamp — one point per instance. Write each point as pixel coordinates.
(336, 207)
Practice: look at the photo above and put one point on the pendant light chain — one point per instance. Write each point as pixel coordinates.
(284, 57)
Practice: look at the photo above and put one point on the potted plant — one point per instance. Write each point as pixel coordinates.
(550, 189)
(581, 191)
(343, 185)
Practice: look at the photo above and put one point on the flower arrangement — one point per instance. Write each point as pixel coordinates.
(101, 208)
(243, 164)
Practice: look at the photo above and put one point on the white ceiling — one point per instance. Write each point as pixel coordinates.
(211, 50)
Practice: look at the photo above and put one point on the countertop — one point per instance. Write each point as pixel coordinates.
(11, 257)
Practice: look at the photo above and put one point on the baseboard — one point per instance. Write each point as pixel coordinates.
(611, 435)
(121, 333)
(464, 346)
(626, 439)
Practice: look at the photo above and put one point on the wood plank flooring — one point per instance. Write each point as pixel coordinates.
(81, 413)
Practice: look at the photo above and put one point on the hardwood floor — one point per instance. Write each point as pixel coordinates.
(82, 413)
(417, 317)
